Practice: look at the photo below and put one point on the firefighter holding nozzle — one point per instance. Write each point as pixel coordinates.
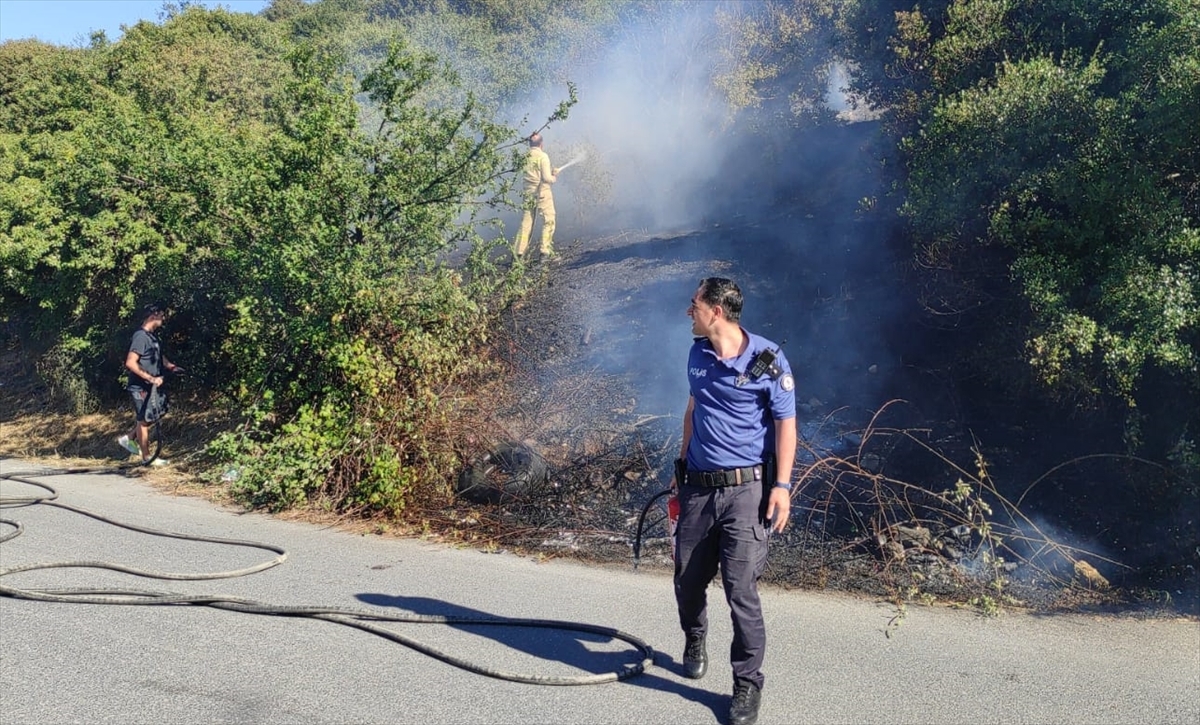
(733, 480)
(538, 199)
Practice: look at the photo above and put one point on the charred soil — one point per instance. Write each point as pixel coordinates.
(901, 495)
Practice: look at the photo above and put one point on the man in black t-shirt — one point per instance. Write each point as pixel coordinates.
(145, 363)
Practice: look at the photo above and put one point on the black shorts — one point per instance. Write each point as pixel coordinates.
(147, 407)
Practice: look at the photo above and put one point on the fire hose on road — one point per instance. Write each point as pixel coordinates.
(365, 620)
(670, 517)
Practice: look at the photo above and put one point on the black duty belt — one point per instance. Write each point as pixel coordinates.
(718, 479)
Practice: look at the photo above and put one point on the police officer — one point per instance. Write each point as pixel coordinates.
(733, 482)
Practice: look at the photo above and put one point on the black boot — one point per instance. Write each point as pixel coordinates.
(695, 657)
(743, 710)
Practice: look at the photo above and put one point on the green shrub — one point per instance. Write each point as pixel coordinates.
(62, 371)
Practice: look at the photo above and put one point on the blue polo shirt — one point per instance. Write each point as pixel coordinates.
(733, 419)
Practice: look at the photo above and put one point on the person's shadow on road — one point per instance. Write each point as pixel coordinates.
(569, 647)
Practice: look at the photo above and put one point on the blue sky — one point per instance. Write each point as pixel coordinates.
(70, 22)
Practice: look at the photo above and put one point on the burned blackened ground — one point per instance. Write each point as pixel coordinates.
(911, 486)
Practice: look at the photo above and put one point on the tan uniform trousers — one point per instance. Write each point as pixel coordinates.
(543, 205)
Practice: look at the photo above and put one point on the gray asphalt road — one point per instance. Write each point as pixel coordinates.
(829, 660)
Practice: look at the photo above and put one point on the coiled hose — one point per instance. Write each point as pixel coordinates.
(357, 618)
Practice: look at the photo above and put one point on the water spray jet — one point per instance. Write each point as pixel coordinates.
(572, 162)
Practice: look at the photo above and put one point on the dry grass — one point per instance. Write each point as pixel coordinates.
(580, 422)
(36, 426)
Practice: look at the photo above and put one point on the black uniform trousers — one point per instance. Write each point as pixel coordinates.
(724, 527)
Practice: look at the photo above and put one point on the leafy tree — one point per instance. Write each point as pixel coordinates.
(498, 50)
(778, 58)
(348, 314)
(1049, 178)
(1072, 163)
(118, 156)
(293, 214)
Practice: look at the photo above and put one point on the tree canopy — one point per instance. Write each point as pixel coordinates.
(224, 166)
(1058, 141)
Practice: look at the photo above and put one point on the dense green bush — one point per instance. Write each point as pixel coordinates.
(291, 213)
(1059, 140)
(1047, 156)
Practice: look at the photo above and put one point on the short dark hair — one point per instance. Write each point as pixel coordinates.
(536, 140)
(723, 293)
(152, 309)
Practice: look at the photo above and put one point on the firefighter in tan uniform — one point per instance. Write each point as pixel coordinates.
(539, 176)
